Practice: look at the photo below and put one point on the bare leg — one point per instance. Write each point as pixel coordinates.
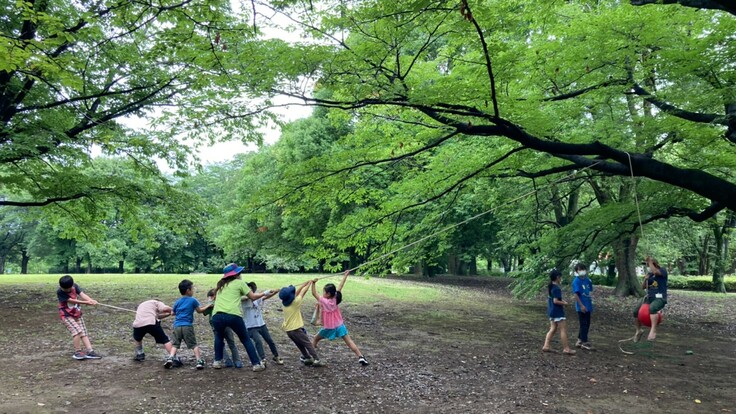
(197, 354)
(563, 336)
(550, 335)
(316, 340)
(172, 350)
(653, 330)
(168, 347)
(77, 340)
(352, 345)
(87, 343)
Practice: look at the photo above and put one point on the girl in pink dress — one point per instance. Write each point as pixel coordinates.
(332, 323)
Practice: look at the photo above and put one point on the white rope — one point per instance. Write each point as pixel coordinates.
(452, 226)
(636, 198)
(115, 307)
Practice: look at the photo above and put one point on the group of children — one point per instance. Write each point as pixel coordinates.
(234, 309)
(655, 284)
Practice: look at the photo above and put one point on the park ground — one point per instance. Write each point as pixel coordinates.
(435, 346)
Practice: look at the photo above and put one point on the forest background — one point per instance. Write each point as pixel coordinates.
(595, 131)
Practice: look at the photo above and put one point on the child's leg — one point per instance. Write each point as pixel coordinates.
(77, 341)
(584, 318)
(87, 343)
(352, 345)
(267, 337)
(197, 353)
(230, 338)
(563, 336)
(298, 337)
(550, 335)
(255, 335)
(316, 340)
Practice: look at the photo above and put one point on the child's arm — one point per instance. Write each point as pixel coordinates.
(303, 289)
(164, 312)
(86, 300)
(203, 309)
(342, 282)
(580, 302)
(314, 289)
(270, 293)
(559, 301)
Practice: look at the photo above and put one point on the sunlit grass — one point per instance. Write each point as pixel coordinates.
(129, 288)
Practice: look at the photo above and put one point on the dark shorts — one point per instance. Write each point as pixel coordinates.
(156, 331)
(186, 334)
(655, 305)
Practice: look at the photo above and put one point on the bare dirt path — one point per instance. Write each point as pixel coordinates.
(477, 351)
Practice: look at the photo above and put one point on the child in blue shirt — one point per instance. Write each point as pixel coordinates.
(582, 286)
(184, 309)
(556, 314)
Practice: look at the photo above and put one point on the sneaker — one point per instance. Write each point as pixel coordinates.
(228, 363)
(93, 355)
(306, 361)
(217, 364)
(238, 364)
(587, 346)
(278, 360)
(638, 334)
(263, 361)
(578, 344)
(200, 364)
(169, 362)
(178, 363)
(79, 355)
(318, 363)
(258, 368)
(140, 357)
(363, 361)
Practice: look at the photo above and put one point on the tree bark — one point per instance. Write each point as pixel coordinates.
(624, 251)
(24, 259)
(121, 267)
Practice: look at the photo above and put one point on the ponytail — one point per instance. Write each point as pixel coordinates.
(333, 292)
(224, 281)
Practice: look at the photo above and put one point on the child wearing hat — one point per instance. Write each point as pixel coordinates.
(293, 324)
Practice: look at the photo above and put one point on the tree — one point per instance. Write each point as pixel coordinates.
(599, 86)
(72, 72)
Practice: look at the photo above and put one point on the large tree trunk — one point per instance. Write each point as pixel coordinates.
(24, 259)
(721, 238)
(121, 267)
(3, 258)
(624, 252)
(78, 266)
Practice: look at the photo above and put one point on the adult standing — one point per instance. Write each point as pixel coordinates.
(655, 283)
(227, 314)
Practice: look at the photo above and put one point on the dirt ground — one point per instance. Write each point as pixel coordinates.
(477, 351)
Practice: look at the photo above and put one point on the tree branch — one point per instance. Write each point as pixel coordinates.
(725, 5)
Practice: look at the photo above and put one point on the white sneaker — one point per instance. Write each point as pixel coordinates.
(258, 368)
(217, 364)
